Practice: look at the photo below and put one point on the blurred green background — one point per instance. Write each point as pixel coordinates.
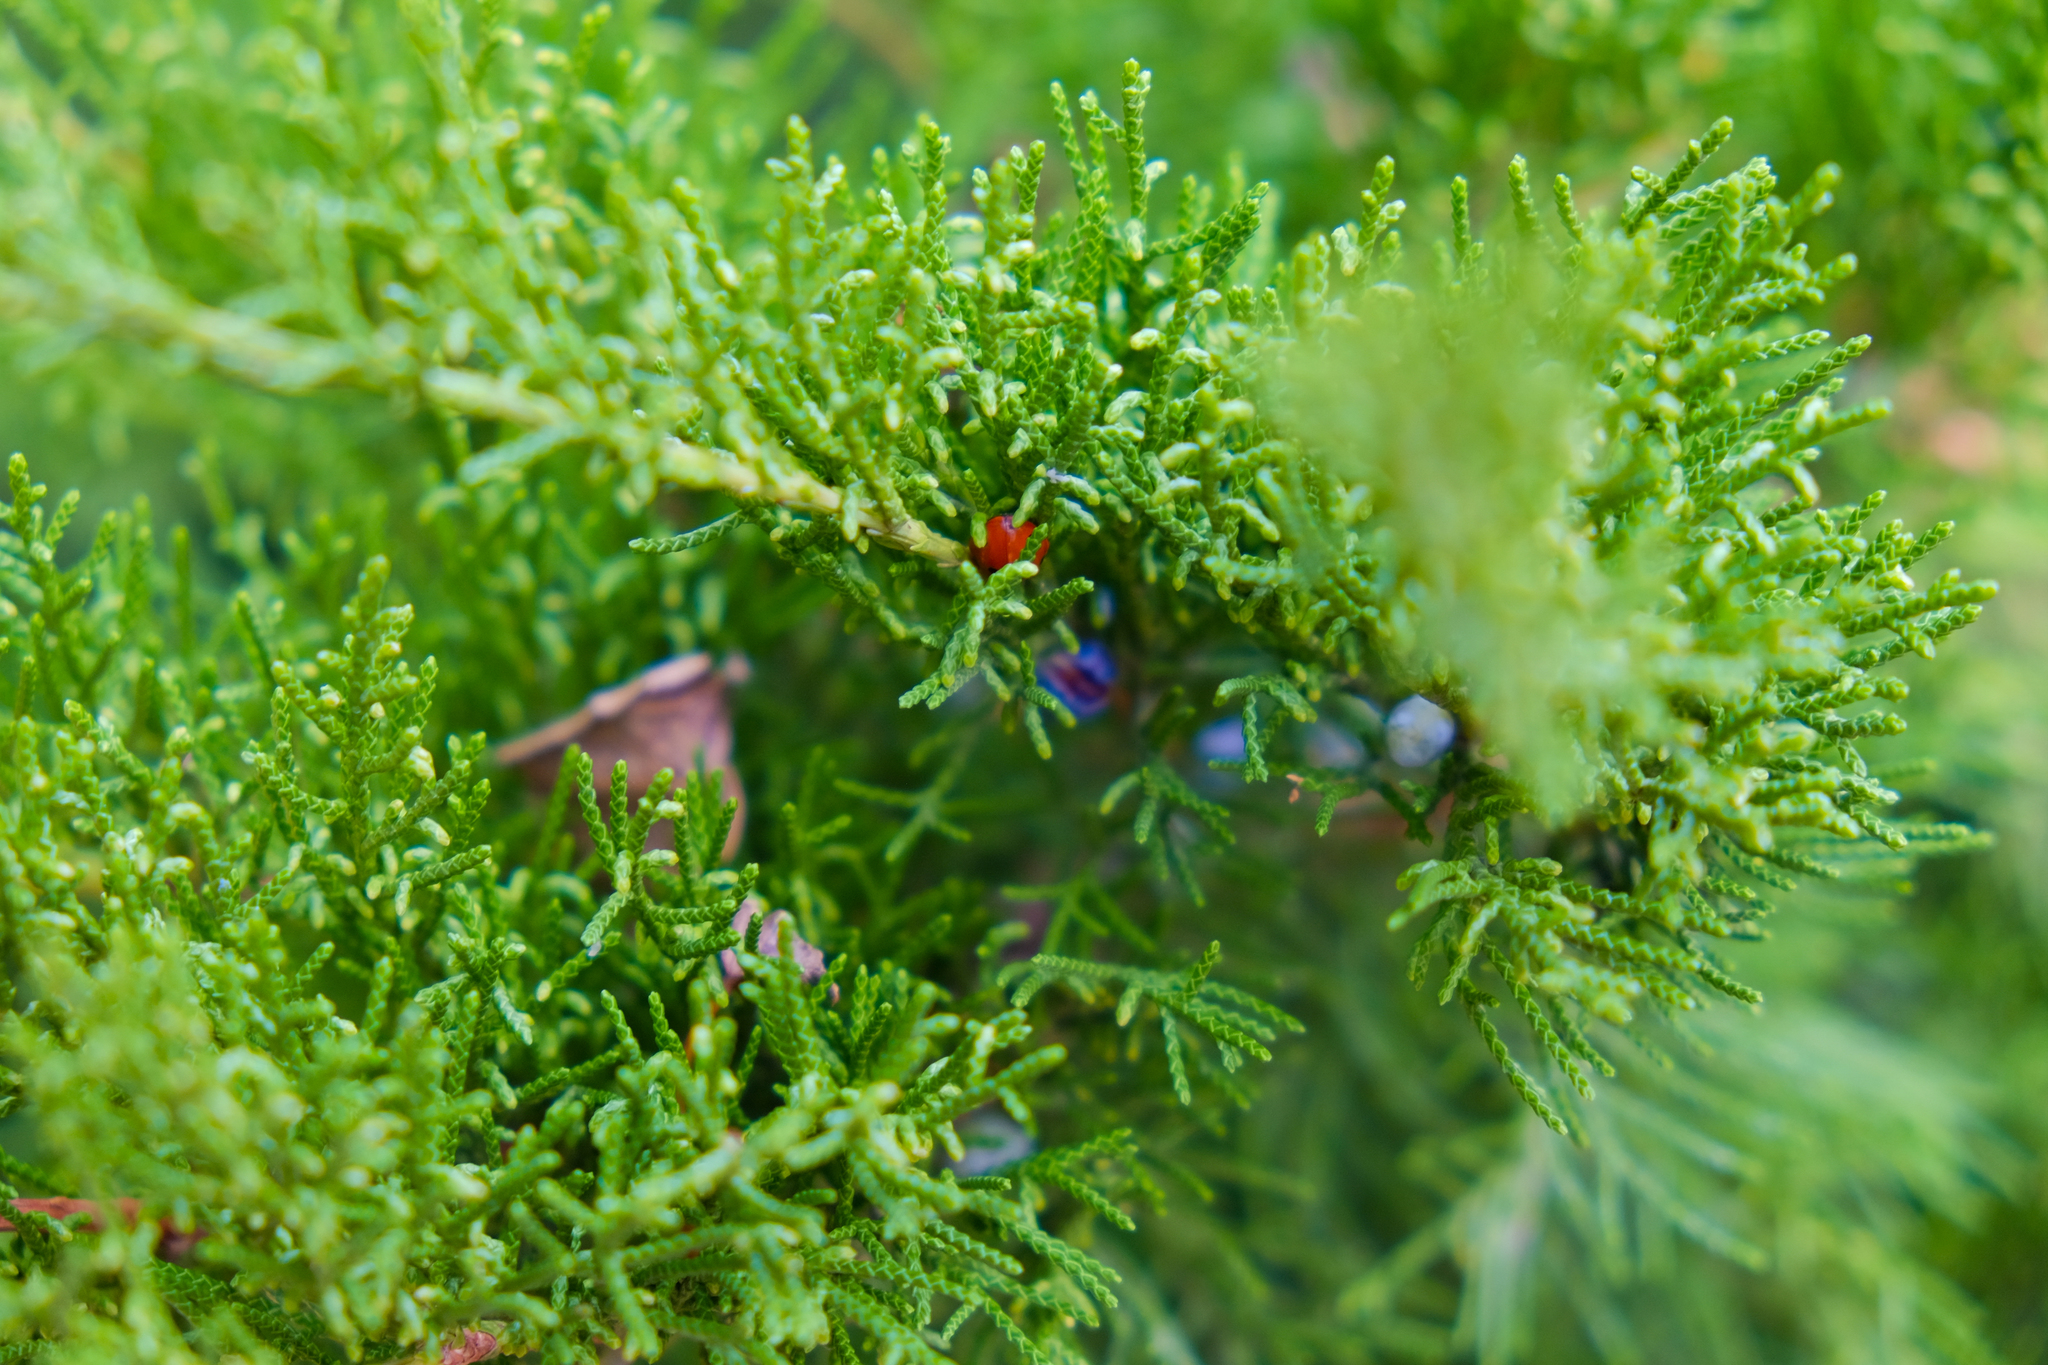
(1859, 1180)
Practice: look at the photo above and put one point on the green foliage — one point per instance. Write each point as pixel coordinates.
(488, 1141)
(1560, 484)
(1935, 117)
(1236, 1022)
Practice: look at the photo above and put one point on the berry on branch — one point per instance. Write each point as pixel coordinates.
(1005, 542)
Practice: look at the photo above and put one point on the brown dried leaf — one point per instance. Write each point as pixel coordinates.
(674, 716)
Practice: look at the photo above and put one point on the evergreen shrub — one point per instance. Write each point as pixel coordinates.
(333, 1043)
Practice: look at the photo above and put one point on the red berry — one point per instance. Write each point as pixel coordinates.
(1004, 542)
